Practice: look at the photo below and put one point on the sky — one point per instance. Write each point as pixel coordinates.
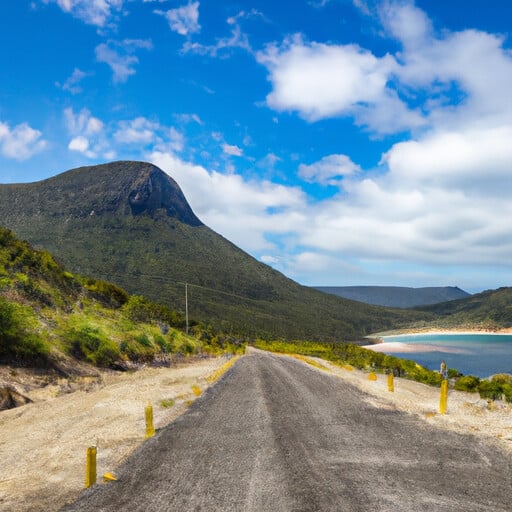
(342, 142)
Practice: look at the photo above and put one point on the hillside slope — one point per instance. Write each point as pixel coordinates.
(129, 223)
(396, 296)
(54, 319)
(491, 309)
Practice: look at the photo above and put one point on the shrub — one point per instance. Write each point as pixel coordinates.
(490, 389)
(92, 345)
(138, 348)
(106, 293)
(467, 383)
(18, 339)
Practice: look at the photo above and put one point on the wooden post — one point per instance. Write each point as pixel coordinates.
(443, 401)
(90, 469)
(150, 428)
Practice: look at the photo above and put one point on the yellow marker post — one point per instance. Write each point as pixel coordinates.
(391, 384)
(150, 428)
(372, 376)
(90, 469)
(443, 401)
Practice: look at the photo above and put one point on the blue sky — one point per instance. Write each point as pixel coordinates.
(343, 142)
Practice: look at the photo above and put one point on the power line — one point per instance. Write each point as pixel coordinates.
(183, 283)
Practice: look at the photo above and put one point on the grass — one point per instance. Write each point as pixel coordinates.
(167, 403)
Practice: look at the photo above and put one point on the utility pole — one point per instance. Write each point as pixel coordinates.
(186, 308)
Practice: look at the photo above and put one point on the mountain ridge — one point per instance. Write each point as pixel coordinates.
(397, 296)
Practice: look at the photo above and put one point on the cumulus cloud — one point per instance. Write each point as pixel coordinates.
(92, 12)
(322, 81)
(20, 142)
(184, 20)
(82, 122)
(119, 56)
(80, 144)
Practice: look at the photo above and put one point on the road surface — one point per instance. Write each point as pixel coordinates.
(278, 435)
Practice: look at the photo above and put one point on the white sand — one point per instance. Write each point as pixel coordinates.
(396, 347)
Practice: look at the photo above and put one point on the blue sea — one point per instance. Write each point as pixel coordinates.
(481, 355)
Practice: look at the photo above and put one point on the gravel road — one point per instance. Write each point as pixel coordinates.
(278, 435)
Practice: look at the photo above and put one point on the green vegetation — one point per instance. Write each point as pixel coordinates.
(498, 387)
(19, 340)
(46, 313)
(490, 310)
(356, 356)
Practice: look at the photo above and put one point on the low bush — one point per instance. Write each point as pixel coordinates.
(467, 383)
(91, 344)
(19, 340)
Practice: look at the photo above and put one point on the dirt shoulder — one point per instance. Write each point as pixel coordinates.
(43, 444)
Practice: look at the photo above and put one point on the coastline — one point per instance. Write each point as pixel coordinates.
(440, 332)
(482, 353)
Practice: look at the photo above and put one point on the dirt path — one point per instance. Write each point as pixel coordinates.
(43, 444)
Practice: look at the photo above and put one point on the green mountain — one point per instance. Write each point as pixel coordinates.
(129, 223)
(396, 296)
(491, 309)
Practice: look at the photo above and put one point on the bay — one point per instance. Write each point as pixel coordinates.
(476, 354)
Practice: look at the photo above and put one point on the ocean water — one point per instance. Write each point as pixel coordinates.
(481, 355)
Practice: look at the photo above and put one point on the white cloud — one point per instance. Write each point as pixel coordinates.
(237, 39)
(137, 131)
(88, 134)
(20, 142)
(82, 122)
(184, 20)
(92, 12)
(330, 170)
(80, 144)
(322, 81)
(118, 55)
(189, 118)
(229, 149)
(457, 159)
(72, 84)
